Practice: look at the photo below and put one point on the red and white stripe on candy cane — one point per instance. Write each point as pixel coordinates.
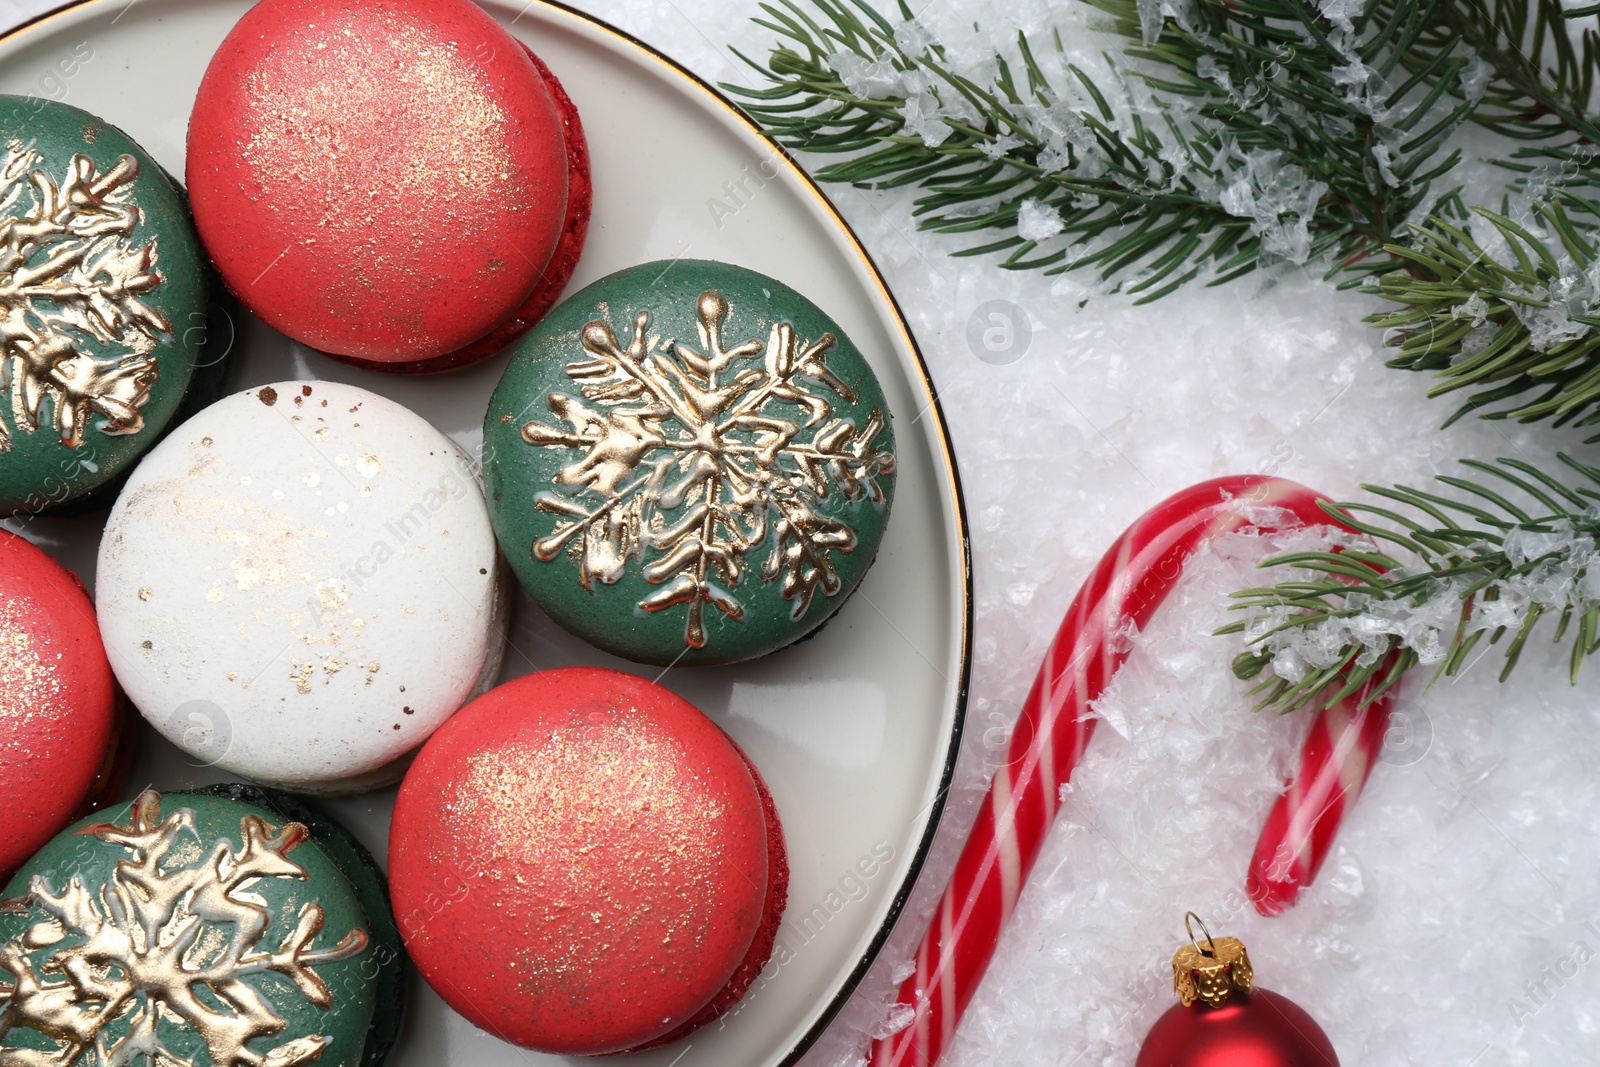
(1055, 725)
(1344, 743)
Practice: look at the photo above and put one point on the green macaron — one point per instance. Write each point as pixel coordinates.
(689, 463)
(212, 928)
(103, 295)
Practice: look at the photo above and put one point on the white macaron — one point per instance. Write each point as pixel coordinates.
(300, 584)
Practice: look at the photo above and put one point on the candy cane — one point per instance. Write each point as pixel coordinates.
(1055, 725)
(1339, 753)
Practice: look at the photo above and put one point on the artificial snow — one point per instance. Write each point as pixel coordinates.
(1037, 221)
(875, 79)
(1278, 198)
(1458, 920)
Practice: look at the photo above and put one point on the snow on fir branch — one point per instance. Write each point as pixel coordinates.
(1538, 63)
(1180, 140)
(1203, 139)
(1507, 308)
(1470, 568)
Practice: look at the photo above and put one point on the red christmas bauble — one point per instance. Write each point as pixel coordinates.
(1261, 1029)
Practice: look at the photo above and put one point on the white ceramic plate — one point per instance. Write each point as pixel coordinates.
(856, 731)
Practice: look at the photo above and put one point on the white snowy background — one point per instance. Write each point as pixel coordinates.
(1451, 926)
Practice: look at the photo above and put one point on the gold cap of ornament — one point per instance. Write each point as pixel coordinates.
(1210, 969)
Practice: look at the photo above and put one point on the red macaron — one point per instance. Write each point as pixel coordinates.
(583, 863)
(397, 183)
(60, 721)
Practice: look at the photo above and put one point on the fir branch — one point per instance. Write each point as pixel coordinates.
(1257, 130)
(1429, 580)
(1520, 328)
(1248, 131)
(1513, 323)
(1517, 326)
(1537, 82)
(1533, 80)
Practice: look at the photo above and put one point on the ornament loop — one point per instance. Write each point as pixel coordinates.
(1190, 920)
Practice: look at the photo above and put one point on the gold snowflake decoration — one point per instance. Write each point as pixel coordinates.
(663, 426)
(69, 270)
(170, 939)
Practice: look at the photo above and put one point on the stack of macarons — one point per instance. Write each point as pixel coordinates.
(305, 585)
(63, 745)
(277, 942)
(300, 584)
(401, 185)
(105, 301)
(625, 852)
(689, 464)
